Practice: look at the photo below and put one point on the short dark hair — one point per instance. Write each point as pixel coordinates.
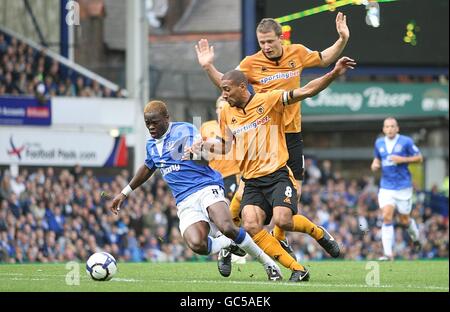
(269, 24)
(391, 118)
(236, 76)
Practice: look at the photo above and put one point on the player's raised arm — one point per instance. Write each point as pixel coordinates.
(142, 175)
(319, 84)
(205, 56)
(331, 54)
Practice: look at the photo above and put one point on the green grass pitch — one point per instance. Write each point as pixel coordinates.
(335, 276)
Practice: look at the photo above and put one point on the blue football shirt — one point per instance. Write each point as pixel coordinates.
(395, 177)
(184, 177)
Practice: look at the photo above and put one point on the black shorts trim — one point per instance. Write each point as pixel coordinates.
(275, 189)
(296, 161)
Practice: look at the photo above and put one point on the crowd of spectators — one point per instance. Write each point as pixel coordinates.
(49, 216)
(26, 71)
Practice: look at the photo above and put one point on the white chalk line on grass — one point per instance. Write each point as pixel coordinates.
(11, 274)
(272, 284)
(52, 278)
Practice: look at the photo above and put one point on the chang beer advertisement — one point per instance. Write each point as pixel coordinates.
(47, 148)
(384, 99)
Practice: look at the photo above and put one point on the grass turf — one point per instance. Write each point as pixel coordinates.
(326, 276)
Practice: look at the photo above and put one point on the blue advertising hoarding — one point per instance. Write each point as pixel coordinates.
(25, 111)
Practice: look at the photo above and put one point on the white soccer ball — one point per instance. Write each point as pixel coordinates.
(101, 266)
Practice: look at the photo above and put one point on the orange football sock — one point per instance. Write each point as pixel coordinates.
(304, 225)
(272, 247)
(235, 209)
(279, 233)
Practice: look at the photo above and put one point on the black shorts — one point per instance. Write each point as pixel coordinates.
(296, 161)
(273, 190)
(230, 186)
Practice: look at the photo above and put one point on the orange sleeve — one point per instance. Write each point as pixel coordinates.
(274, 100)
(309, 58)
(244, 66)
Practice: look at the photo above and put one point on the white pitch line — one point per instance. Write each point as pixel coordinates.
(126, 280)
(11, 274)
(273, 284)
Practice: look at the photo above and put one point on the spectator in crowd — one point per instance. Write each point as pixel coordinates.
(25, 71)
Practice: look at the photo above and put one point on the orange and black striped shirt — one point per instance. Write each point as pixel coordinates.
(265, 75)
(258, 132)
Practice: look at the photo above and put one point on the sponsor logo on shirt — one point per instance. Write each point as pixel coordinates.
(257, 123)
(278, 76)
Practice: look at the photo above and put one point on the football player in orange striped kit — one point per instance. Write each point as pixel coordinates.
(278, 66)
(254, 122)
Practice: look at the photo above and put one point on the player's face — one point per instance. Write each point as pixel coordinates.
(270, 44)
(390, 128)
(231, 93)
(156, 124)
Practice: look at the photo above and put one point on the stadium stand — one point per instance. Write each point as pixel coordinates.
(51, 217)
(26, 70)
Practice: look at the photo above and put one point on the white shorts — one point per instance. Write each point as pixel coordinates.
(194, 207)
(400, 199)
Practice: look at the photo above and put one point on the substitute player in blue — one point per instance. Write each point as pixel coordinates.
(198, 190)
(392, 154)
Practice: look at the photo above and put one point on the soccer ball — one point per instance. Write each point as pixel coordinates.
(101, 266)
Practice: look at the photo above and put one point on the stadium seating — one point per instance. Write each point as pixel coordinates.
(51, 217)
(27, 71)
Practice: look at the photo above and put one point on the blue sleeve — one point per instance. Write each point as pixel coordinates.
(376, 153)
(149, 161)
(411, 148)
(192, 134)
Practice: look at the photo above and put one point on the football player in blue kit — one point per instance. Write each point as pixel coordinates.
(393, 153)
(198, 190)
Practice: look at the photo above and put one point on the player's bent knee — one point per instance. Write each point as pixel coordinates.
(284, 222)
(201, 249)
(251, 228)
(285, 225)
(198, 246)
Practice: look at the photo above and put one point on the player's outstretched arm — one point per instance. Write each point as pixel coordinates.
(202, 148)
(331, 54)
(142, 175)
(319, 84)
(205, 56)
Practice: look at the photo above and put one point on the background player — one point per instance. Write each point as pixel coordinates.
(393, 153)
(279, 67)
(198, 190)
